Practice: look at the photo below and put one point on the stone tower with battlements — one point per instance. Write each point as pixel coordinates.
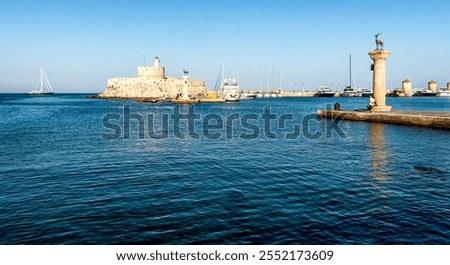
(151, 82)
(153, 72)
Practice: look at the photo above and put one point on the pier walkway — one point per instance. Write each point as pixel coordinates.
(406, 117)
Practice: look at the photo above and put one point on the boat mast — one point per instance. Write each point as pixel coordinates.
(219, 79)
(350, 58)
(250, 78)
(260, 79)
(221, 73)
(42, 79)
(279, 73)
(273, 76)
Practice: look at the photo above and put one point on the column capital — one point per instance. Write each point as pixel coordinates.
(379, 54)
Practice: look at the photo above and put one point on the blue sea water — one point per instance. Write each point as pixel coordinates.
(63, 182)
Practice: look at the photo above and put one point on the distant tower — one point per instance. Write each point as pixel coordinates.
(448, 86)
(152, 72)
(407, 88)
(432, 86)
(406, 85)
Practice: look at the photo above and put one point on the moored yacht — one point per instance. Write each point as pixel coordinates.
(444, 93)
(365, 92)
(350, 92)
(425, 93)
(230, 90)
(248, 95)
(325, 91)
(227, 88)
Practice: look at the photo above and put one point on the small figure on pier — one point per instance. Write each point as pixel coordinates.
(371, 103)
(337, 106)
(379, 42)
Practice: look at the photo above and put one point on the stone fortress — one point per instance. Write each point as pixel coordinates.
(151, 82)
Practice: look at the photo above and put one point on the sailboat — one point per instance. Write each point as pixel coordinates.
(44, 83)
(349, 91)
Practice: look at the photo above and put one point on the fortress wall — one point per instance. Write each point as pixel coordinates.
(151, 83)
(174, 87)
(151, 88)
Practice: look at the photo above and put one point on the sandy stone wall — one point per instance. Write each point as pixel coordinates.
(151, 88)
(151, 83)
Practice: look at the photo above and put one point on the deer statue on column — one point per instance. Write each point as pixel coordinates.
(379, 42)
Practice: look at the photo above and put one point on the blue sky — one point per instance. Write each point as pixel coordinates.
(82, 43)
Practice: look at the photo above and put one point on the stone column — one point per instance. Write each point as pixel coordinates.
(379, 79)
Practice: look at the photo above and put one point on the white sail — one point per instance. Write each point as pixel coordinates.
(43, 86)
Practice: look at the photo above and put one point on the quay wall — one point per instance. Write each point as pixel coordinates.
(412, 118)
(298, 94)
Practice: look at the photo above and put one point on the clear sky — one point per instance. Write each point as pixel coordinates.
(81, 44)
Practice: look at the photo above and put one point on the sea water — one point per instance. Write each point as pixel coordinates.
(89, 171)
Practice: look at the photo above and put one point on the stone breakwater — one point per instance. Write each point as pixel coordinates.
(431, 119)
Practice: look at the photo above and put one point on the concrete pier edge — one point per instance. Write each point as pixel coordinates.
(429, 119)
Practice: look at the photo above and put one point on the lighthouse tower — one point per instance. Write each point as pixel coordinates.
(156, 62)
(185, 91)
